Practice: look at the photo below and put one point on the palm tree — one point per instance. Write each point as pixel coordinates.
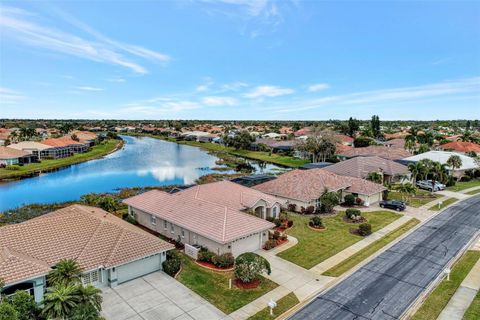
(454, 162)
(90, 295)
(416, 169)
(375, 177)
(406, 189)
(66, 272)
(61, 301)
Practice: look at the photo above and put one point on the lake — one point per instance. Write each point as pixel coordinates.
(142, 162)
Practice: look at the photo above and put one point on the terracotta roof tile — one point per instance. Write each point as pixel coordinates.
(461, 146)
(60, 142)
(11, 153)
(360, 167)
(380, 151)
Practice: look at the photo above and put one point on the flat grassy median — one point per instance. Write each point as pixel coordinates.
(473, 192)
(351, 262)
(438, 299)
(213, 286)
(315, 246)
(462, 185)
(421, 198)
(95, 152)
(473, 312)
(445, 203)
(283, 305)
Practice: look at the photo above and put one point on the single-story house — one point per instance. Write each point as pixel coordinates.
(11, 156)
(221, 216)
(305, 187)
(360, 167)
(388, 153)
(108, 249)
(85, 137)
(65, 147)
(37, 149)
(468, 163)
(461, 147)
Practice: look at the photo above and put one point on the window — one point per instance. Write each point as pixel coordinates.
(183, 233)
(90, 277)
(153, 220)
(165, 224)
(274, 211)
(172, 228)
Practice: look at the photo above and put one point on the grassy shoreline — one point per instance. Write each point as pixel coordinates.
(97, 151)
(285, 161)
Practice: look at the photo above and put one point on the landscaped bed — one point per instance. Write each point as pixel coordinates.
(445, 203)
(314, 247)
(351, 262)
(438, 299)
(473, 312)
(284, 304)
(421, 198)
(213, 286)
(462, 185)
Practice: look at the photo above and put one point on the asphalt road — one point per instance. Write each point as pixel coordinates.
(387, 286)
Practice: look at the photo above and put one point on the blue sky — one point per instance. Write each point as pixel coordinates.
(238, 59)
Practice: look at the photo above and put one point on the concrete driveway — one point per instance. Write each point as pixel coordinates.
(156, 296)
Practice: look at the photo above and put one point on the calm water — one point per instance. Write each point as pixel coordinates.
(142, 162)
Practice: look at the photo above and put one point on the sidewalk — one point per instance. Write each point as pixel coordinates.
(464, 295)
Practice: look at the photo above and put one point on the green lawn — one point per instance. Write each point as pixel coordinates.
(459, 186)
(351, 262)
(444, 204)
(255, 155)
(283, 305)
(473, 312)
(438, 299)
(96, 151)
(213, 286)
(315, 246)
(421, 198)
(473, 192)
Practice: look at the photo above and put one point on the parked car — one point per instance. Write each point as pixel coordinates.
(428, 185)
(393, 204)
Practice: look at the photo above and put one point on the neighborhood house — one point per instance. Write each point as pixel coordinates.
(221, 216)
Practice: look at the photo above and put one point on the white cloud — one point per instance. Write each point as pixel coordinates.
(9, 96)
(268, 91)
(119, 80)
(234, 86)
(87, 88)
(218, 101)
(318, 87)
(205, 86)
(21, 27)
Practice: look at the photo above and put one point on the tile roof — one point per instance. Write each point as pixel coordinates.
(380, 151)
(29, 145)
(360, 167)
(11, 153)
(461, 146)
(89, 235)
(468, 163)
(60, 142)
(213, 210)
(308, 185)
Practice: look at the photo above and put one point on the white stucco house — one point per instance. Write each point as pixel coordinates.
(221, 216)
(109, 250)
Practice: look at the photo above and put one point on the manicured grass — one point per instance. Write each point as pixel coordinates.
(462, 185)
(438, 299)
(473, 192)
(421, 198)
(444, 204)
(473, 312)
(213, 286)
(95, 152)
(351, 262)
(255, 155)
(283, 305)
(315, 246)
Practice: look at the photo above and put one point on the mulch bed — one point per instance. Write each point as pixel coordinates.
(250, 285)
(279, 243)
(211, 266)
(323, 228)
(350, 221)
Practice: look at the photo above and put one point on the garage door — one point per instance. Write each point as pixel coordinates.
(138, 268)
(249, 244)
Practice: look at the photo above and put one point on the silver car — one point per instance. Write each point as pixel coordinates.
(428, 185)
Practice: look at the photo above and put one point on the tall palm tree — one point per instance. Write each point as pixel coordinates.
(61, 301)
(415, 169)
(66, 272)
(91, 296)
(376, 177)
(406, 189)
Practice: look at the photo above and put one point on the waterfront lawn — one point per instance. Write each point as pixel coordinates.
(213, 286)
(315, 246)
(352, 261)
(421, 198)
(473, 312)
(96, 151)
(438, 299)
(444, 204)
(462, 185)
(473, 192)
(284, 304)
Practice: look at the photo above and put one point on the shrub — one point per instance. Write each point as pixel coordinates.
(171, 267)
(225, 260)
(349, 200)
(316, 222)
(12, 167)
(352, 213)
(24, 304)
(283, 217)
(310, 210)
(276, 235)
(365, 229)
(359, 202)
(205, 255)
(292, 207)
(283, 237)
(328, 201)
(249, 265)
(270, 244)
(290, 223)
(270, 219)
(277, 222)
(302, 210)
(131, 219)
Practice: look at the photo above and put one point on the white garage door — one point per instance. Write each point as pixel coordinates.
(249, 244)
(138, 268)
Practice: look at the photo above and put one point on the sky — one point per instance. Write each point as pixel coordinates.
(240, 60)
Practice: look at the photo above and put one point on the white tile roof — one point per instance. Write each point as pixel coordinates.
(468, 163)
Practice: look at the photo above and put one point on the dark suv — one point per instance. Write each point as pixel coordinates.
(393, 204)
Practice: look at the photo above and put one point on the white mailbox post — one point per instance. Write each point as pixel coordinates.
(271, 304)
(447, 272)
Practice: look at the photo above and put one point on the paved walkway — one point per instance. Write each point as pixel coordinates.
(469, 189)
(463, 297)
